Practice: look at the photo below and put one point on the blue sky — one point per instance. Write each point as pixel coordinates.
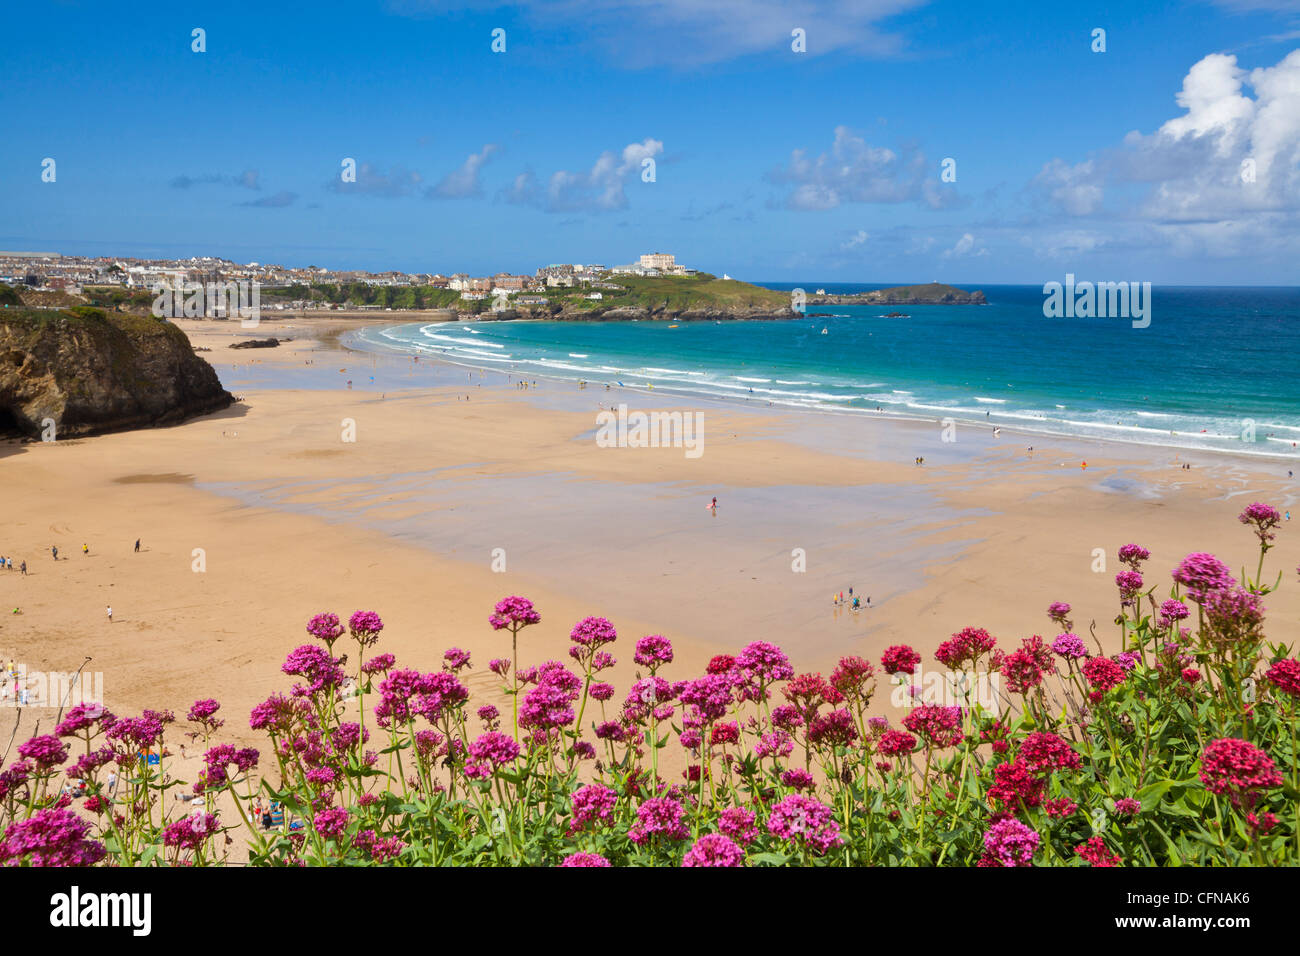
(769, 164)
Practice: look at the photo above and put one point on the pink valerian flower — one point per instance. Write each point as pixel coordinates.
(1095, 852)
(1103, 674)
(593, 632)
(659, 817)
(710, 695)
(1239, 769)
(1129, 584)
(50, 838)
(713, 849)
(724, 733)
(138, 733)
(202, 712)
(804, 820)
(218, 758)
(1059, 613)
(602, 660)
(592, 806)
(1265, 518)
(364, 626)
(585, 859)
(325, 627)
(899, 659)
(1133, 555)
(189, 832)
(1234, 615)
(489, 715)
(1022, 669)
(1190, 675)
(896, 743)
(798, 779)
(1128, 659)
(1061, 807)
(82, 717)
(1285, 676)
(404, 694)
(877, 725)
(938, 726)
(583, 750)
(276, 714)
(321, 670)
(1171, 612)
(1043, 753)
(331, 823)
(454, 659)
(645, 695)
(763, 663)
(854, 677)
(1201, 574)
(738, 823)
(549, 704)
(1127, 807)
(379, 664)
(1016, 786)
(1261, 823)
(45, 751)
(652, 651)
(721, 664)
(786, 717)
(495, 748)
(775, 743)
(808, 692)
(601, 692)
(499, 666)
(1009, 843)
(1069, 646)
(87, 764)
(965, 647)
(514, 613)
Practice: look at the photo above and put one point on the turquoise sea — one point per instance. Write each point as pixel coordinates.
(1214, 366)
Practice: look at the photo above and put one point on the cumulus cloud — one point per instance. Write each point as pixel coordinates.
(464, 182)
(965, 246)
(1227, 166)
(599, 189)
(853, 171)
(855, 240)
(393, 184)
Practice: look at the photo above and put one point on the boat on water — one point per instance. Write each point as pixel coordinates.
(824, 332)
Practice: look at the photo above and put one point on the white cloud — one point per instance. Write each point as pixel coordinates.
(965, 246)
(855, 171)
(855, 240)
(599, 189)
(635, 34)
(464, 183)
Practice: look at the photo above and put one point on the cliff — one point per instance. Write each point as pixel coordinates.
(94, 371)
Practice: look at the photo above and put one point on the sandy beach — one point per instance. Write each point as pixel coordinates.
(254, 519)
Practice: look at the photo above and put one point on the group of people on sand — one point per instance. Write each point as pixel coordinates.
(7, 564)
(853, 600)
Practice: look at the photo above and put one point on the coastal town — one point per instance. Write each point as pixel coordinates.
(53, 272)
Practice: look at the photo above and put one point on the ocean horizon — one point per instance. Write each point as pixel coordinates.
(1188, 380)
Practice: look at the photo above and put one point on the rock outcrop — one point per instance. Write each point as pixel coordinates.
(94, 371)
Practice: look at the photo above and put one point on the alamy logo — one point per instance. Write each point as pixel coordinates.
(195, 300)
(20, 687)
(1123, 300)
(947, 688)
(622, 429)
(134, 910)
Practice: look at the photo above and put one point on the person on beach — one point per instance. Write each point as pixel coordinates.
(137, 545)
(24, 568)
(110, 614)
(85, 548)
(55, 551)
